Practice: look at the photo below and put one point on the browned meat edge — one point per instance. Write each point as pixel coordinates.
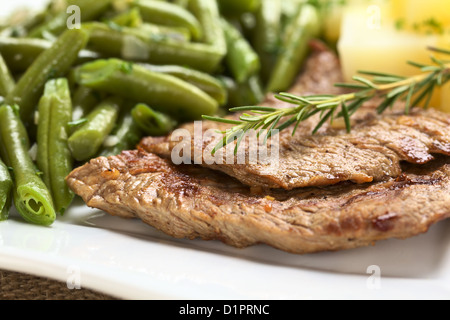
(194, 202)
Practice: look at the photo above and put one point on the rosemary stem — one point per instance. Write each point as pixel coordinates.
(391, 88)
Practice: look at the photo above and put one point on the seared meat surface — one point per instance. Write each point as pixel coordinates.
(189, 201)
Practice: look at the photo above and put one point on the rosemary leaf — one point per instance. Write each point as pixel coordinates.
(323, 120)
(381, 74)
(287, 123)
(429, 95)
(346, 117)
(270, 130)
(365, 81)
(253, 108)
(439, 50)
(271, 118)
(328, 105)
(397, 91)
(222, 120)
(416, 64)
(294, 97)
(408, 99)
(249, 118)
(355, 86)
(386, 79)
(428, 90)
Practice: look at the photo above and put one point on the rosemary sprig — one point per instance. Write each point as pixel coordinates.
(391, 88)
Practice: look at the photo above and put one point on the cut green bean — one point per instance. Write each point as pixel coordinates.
(125, 136)
(152, 122)
(164, 92)
(295, 48)
(52, 63)
(207, 12)
(83, 101)
(7, 82)
(6, 185)
(181, 3)
(162, 32)
(19, 24)
(20, 53)
(267, 38)
(238, 6)
(243, 94)
(131, 18)
(168, 14)
(89, 10)
(130, 44)
(241, 59)
(31, 196)
(54, 159)
(289, 10)
(86, 141)
(201, 80)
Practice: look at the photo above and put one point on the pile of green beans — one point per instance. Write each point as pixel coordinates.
(131, 68)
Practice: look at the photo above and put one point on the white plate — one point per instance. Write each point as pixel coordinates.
(131, 260)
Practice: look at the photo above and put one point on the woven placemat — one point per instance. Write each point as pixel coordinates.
(20, 286)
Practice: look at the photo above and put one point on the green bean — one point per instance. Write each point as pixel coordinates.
(241, 59)
(6, 185)
(20, 53)
(83, 101)
(289, 10)
(165, 93)
(146, 32)
(131, 18)
(53, 157)
(154, 30)
(243, 94)
(201, 80)
(6, 80)
(181, 3)
(238, 6)
(267, 38)
(86, 141)
(132, 45)
(152, 122)
(295, 48)
(31, 196)
(125, 136)
(89, 10)
(19, 24)
(165, 13)
(207, 12)
(52, 63)
(246, 24)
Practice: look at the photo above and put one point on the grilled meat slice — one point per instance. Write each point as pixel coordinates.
(188, 201)
(373, 151)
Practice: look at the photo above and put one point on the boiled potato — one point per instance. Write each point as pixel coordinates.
(422, 16)
(371, 40)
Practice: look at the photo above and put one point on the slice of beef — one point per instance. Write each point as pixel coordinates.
(188, 201)
(373, 151)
